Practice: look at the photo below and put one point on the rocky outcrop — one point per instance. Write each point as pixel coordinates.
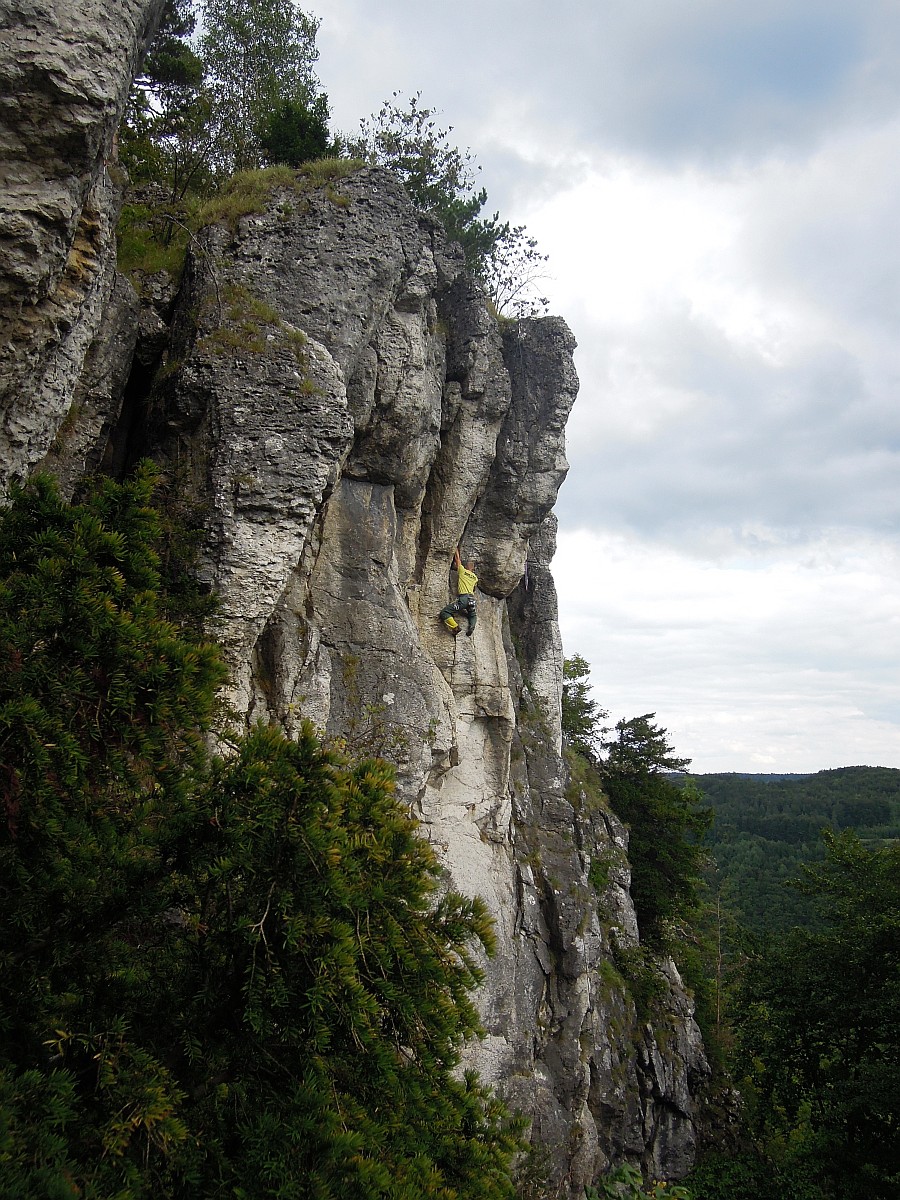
(334, 398)
(349, 411)
(65, 73)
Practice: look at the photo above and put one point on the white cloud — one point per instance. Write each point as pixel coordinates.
(719, 191)
(754, 661)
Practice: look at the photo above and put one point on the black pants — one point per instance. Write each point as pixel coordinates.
(461, 605)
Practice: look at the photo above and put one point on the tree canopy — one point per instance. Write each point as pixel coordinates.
(259, 57)
(766, 827)
(820, 1024)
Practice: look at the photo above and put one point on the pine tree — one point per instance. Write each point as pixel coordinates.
(666, 824)
(336, 992)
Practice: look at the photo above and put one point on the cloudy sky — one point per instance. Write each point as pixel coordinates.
(718, 187)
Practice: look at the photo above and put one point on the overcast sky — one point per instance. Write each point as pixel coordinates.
(717, 184)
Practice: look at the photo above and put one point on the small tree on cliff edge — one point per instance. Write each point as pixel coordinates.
(581, 715)
(665, 820)
(442, 180)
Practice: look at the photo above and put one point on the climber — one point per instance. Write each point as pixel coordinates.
(465, 601)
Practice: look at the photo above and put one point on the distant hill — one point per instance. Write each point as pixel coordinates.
(767, 825)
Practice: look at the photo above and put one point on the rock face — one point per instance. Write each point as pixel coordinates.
(65, 73)
(349, 411)
(331, 392)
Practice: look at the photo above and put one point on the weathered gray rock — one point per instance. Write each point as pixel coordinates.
(65, 72)
(340, 473)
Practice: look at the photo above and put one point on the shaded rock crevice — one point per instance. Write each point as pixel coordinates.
(65, 73)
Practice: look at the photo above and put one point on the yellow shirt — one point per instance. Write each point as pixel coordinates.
(466, 581)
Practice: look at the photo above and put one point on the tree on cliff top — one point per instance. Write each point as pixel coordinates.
(245, 94)
(259, 57)
(441, 179)
(166, 136)
(217, 977)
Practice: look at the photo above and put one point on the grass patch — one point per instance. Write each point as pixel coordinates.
(252, 326)
(324, 170)
(250, 192)
(147, 241)
(246, 193)
(245, 322)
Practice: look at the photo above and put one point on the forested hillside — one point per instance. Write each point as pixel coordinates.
(766, 826)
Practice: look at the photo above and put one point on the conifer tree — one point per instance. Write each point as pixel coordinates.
(666, 823)
(336, 993)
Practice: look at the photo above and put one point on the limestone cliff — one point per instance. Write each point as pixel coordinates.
(330, 389)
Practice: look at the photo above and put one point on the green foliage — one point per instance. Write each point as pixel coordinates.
(441, 179)
(151, 239)
(666, 824)
(514, 273)
(259, 57)
(103, 703)
(247, 97)
(438, 176)
(166, 136)
(751, 1175)
(641, 748)
(645, 982)
(626, 1183)
(97, 687)
(217, 976)
(711, 951)
(819, 1022)
(297, 132)
(245, 193)
(347, 987)
(581, 715)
